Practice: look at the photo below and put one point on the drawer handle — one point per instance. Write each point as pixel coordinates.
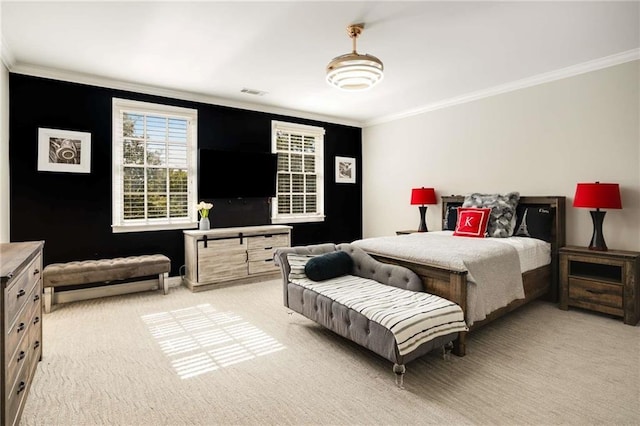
(36, 297)
(594, 291)
(268, 248)
(21, 387)
(21, 356)
(268, 260)
(20, 327)
(36, 320)
(36, 271)
(21, 293)
(36, 344)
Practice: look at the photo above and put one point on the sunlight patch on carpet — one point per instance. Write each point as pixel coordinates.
(201, 339)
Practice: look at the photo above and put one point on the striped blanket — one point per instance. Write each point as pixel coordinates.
(413, 318)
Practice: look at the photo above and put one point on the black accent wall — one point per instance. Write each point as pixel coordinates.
(72, 212)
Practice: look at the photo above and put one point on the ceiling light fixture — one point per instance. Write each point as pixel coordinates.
(353, 71)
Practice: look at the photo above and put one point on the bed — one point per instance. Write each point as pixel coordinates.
(450, 278)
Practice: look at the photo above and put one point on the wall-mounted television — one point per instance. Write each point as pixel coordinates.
(236, 174)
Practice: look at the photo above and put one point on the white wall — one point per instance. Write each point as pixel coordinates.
(4, 153)
(540, 140)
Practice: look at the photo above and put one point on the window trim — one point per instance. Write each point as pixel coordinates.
(316, 132)
(156, 224)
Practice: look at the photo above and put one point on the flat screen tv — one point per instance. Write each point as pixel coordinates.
(236, 174)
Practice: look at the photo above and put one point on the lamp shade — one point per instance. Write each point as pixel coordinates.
(598, 196)
(423, 196)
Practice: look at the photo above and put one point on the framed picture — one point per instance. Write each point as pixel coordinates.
(64, 151)
(345, 170)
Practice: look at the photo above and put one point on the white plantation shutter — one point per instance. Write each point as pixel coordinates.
(300, 180)
(154, 158)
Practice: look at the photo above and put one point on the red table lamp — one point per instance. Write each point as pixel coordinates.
(423, 196)
(597, 196)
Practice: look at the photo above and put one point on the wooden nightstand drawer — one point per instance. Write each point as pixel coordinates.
(595, 292)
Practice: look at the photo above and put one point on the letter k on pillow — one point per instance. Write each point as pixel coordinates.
(472, 222)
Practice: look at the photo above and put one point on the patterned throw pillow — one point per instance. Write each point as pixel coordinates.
(472, 222)
(297, 263)
(503, 211)
(534, 222)
(451, 217)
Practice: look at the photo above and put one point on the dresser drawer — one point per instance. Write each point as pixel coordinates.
(595, 292)
(15, 398)
(268, 241)
(35, 345)
(17, 361)
(19, 330)
(18, 293)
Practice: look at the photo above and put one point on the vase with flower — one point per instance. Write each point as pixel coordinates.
(203, 209)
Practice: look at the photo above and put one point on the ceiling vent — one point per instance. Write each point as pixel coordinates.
(253, 92)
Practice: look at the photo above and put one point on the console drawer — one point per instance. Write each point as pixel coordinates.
(263, 266)
(268, 241)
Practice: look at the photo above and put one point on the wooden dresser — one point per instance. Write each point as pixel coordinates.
(20, 275)
(232, 255)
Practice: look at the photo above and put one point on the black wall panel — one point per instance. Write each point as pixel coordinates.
(72, 212)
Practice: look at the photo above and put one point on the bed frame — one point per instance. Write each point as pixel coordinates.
(452, 285)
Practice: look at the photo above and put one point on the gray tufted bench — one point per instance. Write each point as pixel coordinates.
(379, 306)
(104, 270)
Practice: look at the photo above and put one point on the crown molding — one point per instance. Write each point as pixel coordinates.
(94, 80)
(571, 71)
(73, 77)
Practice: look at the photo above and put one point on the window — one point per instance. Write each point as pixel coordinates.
(154, 166)
(300, 180)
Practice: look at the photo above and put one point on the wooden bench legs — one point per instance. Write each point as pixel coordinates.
(51, 297)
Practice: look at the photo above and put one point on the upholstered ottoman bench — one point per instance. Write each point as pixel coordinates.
(88, 272)
(379, 306)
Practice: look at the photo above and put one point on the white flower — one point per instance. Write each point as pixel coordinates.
(203, 208)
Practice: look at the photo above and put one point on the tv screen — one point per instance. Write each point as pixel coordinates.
(236, 174)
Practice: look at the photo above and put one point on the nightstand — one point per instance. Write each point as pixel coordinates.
(602, 281)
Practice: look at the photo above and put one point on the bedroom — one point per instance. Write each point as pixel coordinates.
(539, 139)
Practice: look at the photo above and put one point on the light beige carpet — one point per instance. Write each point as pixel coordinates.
(234, 355)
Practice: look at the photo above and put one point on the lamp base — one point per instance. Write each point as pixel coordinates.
(423, 221)
(597, 239)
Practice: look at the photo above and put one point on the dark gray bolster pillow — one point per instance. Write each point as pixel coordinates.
(330, 265)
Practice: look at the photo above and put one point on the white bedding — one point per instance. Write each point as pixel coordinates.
(494, 265)
(533, 253)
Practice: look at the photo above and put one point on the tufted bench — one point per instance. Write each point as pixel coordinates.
(379, 306)
(104, 270)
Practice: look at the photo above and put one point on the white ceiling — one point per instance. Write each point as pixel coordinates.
(433, 52)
